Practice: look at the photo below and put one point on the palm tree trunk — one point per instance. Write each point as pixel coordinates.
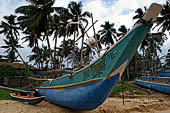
(74, 49)
(38, 52)
(48, 43)
(55, 48)
(81, 58)
(20, 56)
(18, 53)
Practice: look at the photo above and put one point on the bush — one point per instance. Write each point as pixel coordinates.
(7, 70)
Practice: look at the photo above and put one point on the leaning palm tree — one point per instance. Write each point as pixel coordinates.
(11, 30)
(108, 34)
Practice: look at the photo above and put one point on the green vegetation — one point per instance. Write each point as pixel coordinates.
(139, 93)
(7, 70)
(4, 94)
(118, 88)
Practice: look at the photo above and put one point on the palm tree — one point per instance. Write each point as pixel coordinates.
(45, 55)
(37, 18)
(37, 60)
(152, 42)
(139, 15)
(108, 33)
(77, 16)
(167, 60)
(122, 31)
(11, 56)
(11, 31)
(88, 54)
(163, 22)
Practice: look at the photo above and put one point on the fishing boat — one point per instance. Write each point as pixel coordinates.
(27, 98)
(161, 84)
(89, 87)
(164, 73)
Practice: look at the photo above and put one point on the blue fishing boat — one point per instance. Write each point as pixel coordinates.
(164, 73)
(161, 84)
(89, 87)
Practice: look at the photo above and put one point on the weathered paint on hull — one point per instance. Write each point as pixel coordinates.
(85, 97)
(164, 88)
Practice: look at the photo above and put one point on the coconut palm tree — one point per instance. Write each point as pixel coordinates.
(37, 18)
(163, 22)
(167, 60)
(122, 31)
(76, 18)
(37, 60)
(108, 34)
(139, 14)
(11, 31)
(152, 42)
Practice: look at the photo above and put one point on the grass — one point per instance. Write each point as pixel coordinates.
(118, 88)
(139, 93)
(4, 94)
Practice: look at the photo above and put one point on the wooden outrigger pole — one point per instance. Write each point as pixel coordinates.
(15, 90)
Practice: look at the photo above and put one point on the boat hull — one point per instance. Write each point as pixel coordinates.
(86, 97)
(164, 73)
(27, 99)
(164, 88)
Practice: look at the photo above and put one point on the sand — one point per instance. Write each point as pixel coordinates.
(154, 103)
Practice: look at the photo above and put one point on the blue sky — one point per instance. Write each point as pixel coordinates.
(119, 12)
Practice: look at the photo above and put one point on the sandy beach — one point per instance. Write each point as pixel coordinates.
(154, 103)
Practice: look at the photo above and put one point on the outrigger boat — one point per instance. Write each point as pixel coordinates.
(164, 73)
(28, 97)
(160, 84)
(89, 87)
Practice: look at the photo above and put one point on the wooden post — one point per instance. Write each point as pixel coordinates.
(123, 98)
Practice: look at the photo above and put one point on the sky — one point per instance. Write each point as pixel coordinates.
(119, 12)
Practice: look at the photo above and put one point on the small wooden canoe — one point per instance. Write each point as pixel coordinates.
(27, 98)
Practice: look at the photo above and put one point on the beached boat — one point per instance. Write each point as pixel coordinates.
(161, 84)
(164, 73)
(89, 87)
(27, 98)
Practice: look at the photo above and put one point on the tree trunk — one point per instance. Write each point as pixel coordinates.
(48, 43)
(81, 58)
(55, 48)
(127, 71)
(74, 49)
(38, 52)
